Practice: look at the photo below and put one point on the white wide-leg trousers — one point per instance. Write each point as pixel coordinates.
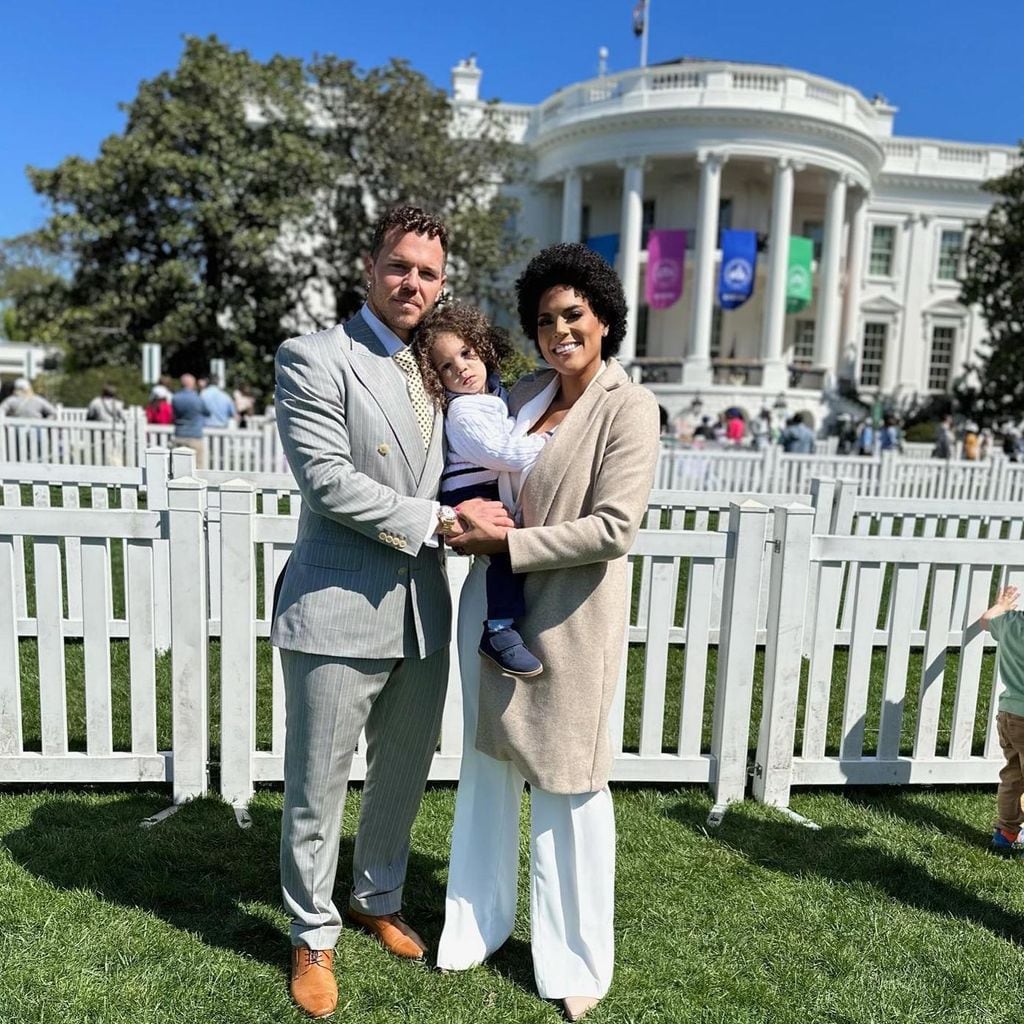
(572, 857)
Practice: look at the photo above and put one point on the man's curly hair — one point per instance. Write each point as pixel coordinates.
(408, 219)
(468, 323)
(573, 265)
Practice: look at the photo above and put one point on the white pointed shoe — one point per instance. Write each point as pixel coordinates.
(576, 1006)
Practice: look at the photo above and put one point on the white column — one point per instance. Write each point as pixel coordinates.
(773, 374)
(629, 248)
(697, 367)
(826, 335)
(855, 268)
(572, 205)
(910, 367)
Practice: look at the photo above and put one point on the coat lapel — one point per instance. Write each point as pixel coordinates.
(541, 486)
(383, 379)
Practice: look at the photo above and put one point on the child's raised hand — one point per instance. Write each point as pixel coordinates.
(1007, 599)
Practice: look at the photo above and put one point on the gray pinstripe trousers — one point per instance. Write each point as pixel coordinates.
(328, 702)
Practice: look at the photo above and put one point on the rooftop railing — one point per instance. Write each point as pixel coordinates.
(947, 159)
(710, 84)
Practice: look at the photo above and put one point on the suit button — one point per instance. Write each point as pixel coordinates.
(403, 571)
(383, 449)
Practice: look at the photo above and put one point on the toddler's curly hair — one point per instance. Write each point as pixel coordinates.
(491, 343)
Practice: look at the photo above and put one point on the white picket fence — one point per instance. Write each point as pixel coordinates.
(826, 574)
(72, 440)
(887, 474)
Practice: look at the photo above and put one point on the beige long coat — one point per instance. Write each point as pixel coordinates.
(582, 505)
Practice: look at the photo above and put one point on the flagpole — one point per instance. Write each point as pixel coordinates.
(643, 37)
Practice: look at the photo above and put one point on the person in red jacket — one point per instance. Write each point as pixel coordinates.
(158, 410)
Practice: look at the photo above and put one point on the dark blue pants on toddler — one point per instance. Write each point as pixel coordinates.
(501, 644)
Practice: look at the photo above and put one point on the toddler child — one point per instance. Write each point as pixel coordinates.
(1007, 626)
(459, 352)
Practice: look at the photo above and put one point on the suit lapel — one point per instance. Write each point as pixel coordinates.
(528, 388)
(541, 486)
(383, 379)
(434, 462)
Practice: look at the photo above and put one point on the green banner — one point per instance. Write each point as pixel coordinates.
(798, 276)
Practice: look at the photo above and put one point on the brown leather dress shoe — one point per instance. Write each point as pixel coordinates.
(392, 932)
(313, 986)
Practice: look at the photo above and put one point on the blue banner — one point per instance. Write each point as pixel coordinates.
(739, 265)
(606, 246)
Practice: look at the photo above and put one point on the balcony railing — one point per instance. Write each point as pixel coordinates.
(729, 372)
(709, 85)
(936, 159)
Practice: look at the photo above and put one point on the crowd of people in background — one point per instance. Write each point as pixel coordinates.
(190, 405)
(193, 404)
(795, 433)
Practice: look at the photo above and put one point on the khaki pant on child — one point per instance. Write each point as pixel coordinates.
(1010, 728)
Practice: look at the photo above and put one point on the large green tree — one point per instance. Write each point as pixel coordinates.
(235, 205)
(390, 137)
(994, 279)
(33, 291)
(171, 230)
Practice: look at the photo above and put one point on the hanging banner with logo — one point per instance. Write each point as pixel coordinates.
(739, 263)
(666, 261)
(606, 246)
(798, 276)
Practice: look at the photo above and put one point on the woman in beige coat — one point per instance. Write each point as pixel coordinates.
(580, 507)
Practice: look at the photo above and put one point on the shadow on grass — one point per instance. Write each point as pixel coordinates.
(919, 814)
(197, 870)
(844, 855)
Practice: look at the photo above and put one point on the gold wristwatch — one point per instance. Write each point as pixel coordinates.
(447, 519)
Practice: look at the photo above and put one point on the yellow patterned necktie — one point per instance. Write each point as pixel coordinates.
(421, 404)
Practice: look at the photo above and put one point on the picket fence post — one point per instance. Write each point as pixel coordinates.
(734, 686)
(237, 642)
(189, 637)
(140, 436)
(823, 498)
(782, 659)
(769, 468)
(157, 473)
(183, 463)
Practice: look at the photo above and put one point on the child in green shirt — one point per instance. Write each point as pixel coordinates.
(1006, 624)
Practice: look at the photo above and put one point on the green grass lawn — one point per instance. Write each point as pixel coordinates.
(893, 912)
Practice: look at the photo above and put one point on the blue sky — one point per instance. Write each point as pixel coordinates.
(955, 70)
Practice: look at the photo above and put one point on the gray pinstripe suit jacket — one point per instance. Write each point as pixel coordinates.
(360, 583)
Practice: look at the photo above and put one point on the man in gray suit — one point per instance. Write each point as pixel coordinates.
(363, 616)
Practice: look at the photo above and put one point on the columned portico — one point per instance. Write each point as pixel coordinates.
(697, 366)
(826, 337)
(629, 247)
(572, 205)
(773, 374)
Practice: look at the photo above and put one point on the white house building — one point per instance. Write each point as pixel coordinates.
(702, 146)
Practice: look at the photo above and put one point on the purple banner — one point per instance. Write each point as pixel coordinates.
(666, 259)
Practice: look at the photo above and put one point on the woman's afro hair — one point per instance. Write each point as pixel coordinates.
(573, 265)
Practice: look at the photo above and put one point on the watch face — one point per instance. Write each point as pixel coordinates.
(447, 517)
